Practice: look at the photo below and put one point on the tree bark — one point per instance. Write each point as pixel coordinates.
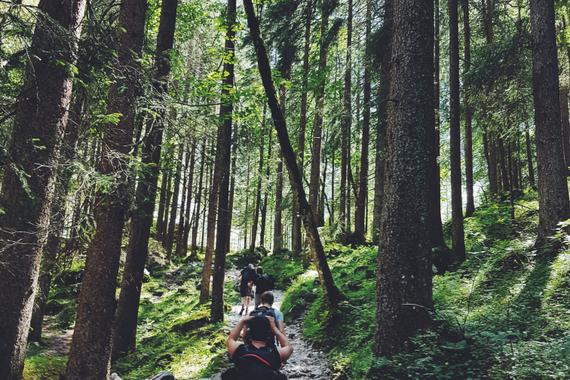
(346, 122)
(331, 293)
(470, 206)
(169, 239)
(404, 288)
(125, 327)
(565, 125)
(385, 54)
(183, 236)
(552, 186)
(277, 220)
(58, 214)
(196, 217)
(457, 231)
(91, 344)
(222, 158)
(29, 171)
(319, 110)
(297, 243)
(265, 193)
(529, 160)
(164, 186)
(362, 198)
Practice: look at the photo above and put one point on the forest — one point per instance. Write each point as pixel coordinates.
(396, 169)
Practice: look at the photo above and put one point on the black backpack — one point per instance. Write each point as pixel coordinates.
(264, 311)
(264, 284)
(254, 364)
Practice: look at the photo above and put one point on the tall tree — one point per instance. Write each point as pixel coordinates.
(470, 206)
(125, 327)
(91, 344)
(331, 293)
(552, 186)
(404, 275)
(384, 51)
(182, 243)
(457, 231)
(222, 158)
(170, 232)
(326, 7)
(346, 124)
(297, 222)
(362, 198)
(41, 116)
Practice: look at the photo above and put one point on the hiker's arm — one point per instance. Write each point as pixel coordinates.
(286, 349)
(233, 343)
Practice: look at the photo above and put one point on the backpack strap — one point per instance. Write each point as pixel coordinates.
(256, 356)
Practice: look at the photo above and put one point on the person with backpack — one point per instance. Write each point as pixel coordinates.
(263, 283)
(247, 277)
(266, 308)
(256, 359)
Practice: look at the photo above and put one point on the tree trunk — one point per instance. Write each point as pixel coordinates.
(470, 206)
(346, 125)
(362, 199)
(255, 220)
(58, 214)
(319, 110)
(169, 240)
(277, 220)
(565, 125)
(29, 171)
(182, 217)
(297, 241)
(182, 241)
(404, 288)
(265, 193)
(382, 106)
(223, 157)
(552, 186)
(196, 217)
(529, 160)
(91, 345)
(167, 204)
(457, 233)
(125, 327)
(331, 293)
(164, 186)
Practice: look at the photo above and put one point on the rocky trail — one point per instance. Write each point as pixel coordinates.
(307, 362)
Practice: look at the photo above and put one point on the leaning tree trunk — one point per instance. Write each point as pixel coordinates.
(29, 171)
(362, 199)
(457, 232)
(91, 344)
(346, 124)
(222, 158)
(404, 287)
(331, 293)
(552, 186)
(125, 327)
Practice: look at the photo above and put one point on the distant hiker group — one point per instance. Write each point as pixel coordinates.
(251, 276)
(257, 345)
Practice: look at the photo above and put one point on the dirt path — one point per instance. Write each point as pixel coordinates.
(57, 341)
(306, 362)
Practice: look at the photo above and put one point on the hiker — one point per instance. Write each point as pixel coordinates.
(266, 308)
(263, 283)
(257, 360)
(247, 277)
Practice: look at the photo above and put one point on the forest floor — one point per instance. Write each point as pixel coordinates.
(502, 314)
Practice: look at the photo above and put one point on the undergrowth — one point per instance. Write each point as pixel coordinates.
(503, 314)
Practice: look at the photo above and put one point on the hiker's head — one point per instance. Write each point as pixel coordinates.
(258, 328)
(259, 270)
(250, 266)
(267, 298)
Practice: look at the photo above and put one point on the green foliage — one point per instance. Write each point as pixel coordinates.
(240, 259)
(284, 266)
